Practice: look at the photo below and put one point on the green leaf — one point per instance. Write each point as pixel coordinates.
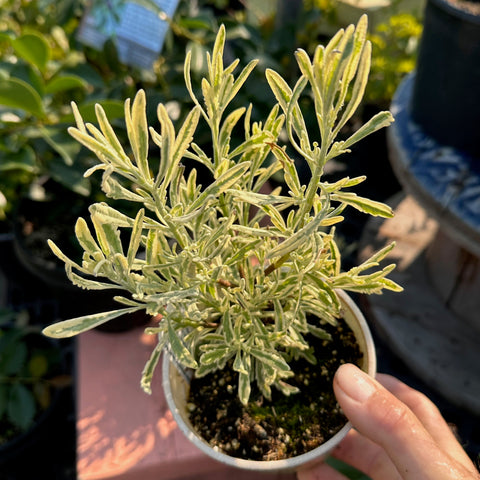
(74, 326)
(264, 376)
(228, 328)
(166, 143)
(6, 36)
(148, 370)
(281, 322)
(114, 110)
(70, 177)
(294, 118)
(59, 254)
(115, 190)
(260, 199)
(255, 141)
(271, 358)
(137, 129)
(298, 237)
(24, 160)
(254, 232)
(346, 182)
(275, 217)
(108, 236)
(289, 170)
(229, 124)
(106, 129)
(319, 332)
(244, 387)
(172, 295)
(279, 87)
(223, 183)
(187, 67)
(239, 364)
(15, 93)
(242, 253)
(62, 83)
(217, 356)
(85, 238)
(62, 143)
(33, 48)
(241, 79)
(364, 205)
(306, 67)
(108, 214)
(13, 358)
(336, 63)
(378, 121)
(179, 350)
(391, 285)
(358, 87)
(203, 370)
(86, 283)
(100, 148)
(354, 60)
(135, 238)
(21, 406)
(185, 135)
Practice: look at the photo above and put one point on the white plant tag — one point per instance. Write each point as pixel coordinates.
(138, 32)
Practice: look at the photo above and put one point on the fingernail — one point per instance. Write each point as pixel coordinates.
(355, 383)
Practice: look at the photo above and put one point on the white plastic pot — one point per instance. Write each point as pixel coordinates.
(176, 385)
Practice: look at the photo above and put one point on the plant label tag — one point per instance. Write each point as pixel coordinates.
(138, 31)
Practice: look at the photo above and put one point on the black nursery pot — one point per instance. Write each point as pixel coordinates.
(44, 270)
(446, 92)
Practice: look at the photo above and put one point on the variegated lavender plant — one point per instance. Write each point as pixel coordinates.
(230, 284)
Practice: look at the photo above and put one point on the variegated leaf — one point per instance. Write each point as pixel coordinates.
(74, 326)
(148, 370)
(365, 205)
(178, 348)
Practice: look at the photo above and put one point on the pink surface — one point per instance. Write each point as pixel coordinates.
(123, 433)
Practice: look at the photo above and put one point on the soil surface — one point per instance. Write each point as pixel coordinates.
(285, 426)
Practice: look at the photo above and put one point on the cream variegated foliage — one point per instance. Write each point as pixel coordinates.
(227, 286)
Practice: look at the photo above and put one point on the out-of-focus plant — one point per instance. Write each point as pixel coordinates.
(41, 70)
(30, 371)
(394, 43)
(32, 102)
(43, 67)
(394, 52)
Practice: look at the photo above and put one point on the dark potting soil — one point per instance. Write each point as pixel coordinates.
(285, 426)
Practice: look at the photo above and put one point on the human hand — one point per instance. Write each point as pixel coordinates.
(398, 433)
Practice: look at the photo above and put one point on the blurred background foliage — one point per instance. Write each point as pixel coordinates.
(43, 67)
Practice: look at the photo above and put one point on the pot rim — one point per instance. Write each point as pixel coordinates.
(460, 13)
(292, 463)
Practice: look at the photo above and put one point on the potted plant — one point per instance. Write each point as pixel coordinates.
(243, 281)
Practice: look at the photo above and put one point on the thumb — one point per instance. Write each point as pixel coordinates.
(382, 418)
